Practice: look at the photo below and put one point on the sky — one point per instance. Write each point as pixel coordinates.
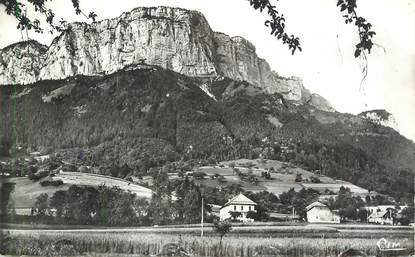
(326, 64)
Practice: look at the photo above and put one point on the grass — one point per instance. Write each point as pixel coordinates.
(26, 191)
(78, 178)
(282, 180)
(41, 243)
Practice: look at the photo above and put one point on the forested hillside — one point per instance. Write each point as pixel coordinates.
(148, 117)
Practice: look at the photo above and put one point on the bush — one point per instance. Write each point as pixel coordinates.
(199, 175)
(39, 175)
(55, 183)
(315, 179)
(298, 177)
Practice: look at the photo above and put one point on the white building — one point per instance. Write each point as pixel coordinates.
(240, 204)
(320, 213)
(381, 217)
(379, 208)
(383, 214)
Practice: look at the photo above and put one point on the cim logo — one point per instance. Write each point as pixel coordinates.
(384, 244)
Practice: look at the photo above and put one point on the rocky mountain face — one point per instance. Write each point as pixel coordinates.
(380, 117)
(176, 39)
(20, 62)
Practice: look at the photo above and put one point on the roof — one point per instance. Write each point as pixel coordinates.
(379, 214)
(214, 207)
(315, 204)
(240, 199)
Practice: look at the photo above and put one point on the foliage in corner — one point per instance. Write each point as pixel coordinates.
(364, 27)
(277, 24)
(17, 9)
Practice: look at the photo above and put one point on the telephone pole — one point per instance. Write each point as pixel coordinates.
(201, 222)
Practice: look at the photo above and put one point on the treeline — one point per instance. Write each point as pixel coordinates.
(172, 202)
(92, 206)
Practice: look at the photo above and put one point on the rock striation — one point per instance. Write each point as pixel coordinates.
(172, 38)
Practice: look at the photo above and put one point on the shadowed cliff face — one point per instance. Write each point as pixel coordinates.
(172, 38)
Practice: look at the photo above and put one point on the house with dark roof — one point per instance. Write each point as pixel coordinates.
(239, 204)
(318, 212)
(381, 217)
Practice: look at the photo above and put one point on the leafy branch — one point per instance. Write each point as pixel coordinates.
(364, 27)
(277, 24)
(15, 8)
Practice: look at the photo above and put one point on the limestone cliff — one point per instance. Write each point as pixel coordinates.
(19, 63)
(172, 38)
(380, 117)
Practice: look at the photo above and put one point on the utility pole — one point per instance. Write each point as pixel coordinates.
(293, 213)
(201, 222)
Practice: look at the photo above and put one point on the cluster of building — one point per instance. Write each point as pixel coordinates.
(317, 212)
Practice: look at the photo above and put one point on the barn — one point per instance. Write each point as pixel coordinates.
(318, 212)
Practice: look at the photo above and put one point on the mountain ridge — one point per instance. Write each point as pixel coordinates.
(173, 38)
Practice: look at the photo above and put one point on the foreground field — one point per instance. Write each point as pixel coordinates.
(243, 241)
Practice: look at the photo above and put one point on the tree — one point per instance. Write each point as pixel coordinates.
(161, 210)
(192, 206)
(5, 146)
(348, 205)
(407, 216)
(235, 215)
(252, 215)
(58, 201)
(5, 192)
(15, 8)
(315, 179)
(41, 205)
(298, 201)
(199, 175)
(276, 23)
(222, 228)
(298, 177)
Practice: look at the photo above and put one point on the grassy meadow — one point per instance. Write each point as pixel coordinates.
(150, 243)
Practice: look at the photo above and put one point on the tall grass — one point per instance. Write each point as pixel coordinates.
(40, 243)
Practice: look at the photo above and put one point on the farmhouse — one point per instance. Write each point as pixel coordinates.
(381, 217)
(383, 214)
(378, 208)
(320, 213)
(239, 204)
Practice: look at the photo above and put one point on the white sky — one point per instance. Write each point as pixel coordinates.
(326, 64)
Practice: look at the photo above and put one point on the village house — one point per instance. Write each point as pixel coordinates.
(379, 208)
(381, 217)
(240, 204)
(320, 213)
(383, 214)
